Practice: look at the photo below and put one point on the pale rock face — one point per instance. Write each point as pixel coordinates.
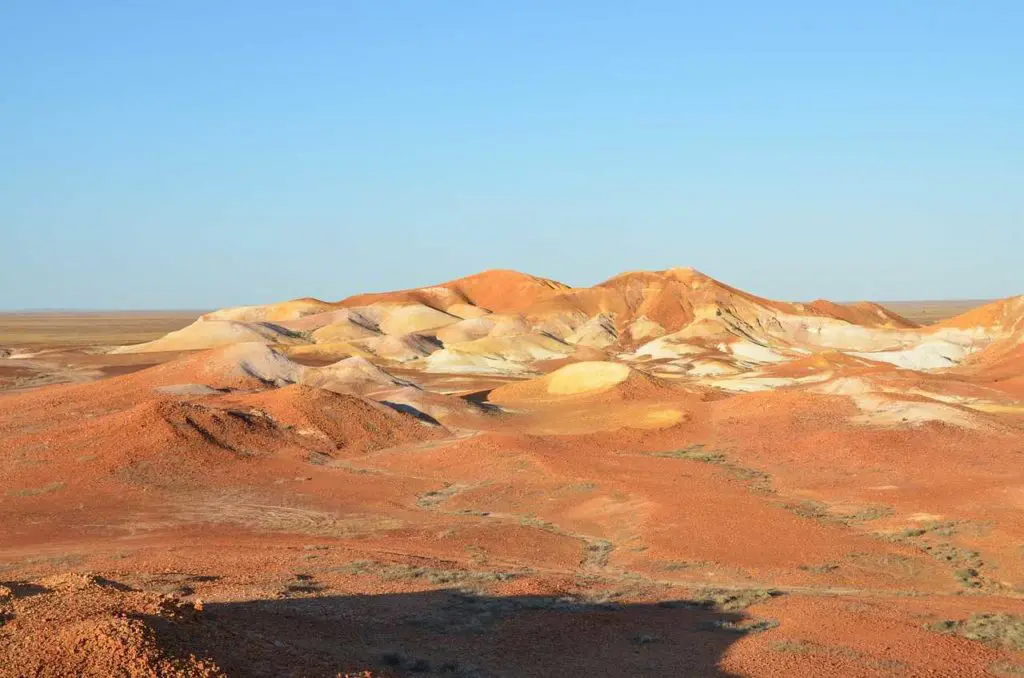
(491, 325)
(886, 411)
(256, 360)
(757, 353)
(667, 347)
(598, 332)
(408, 318)
(466, 311)
(346, 329)
(928, 355)
(397, 348)
(203, 334)
(465, 330)
(352, 375)
(453, 361)
(754, 384)
(510, 326)
(688, 326)
(642, 328)
(711, 368)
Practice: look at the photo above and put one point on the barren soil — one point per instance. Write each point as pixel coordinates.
(57, 347)
(534, 481)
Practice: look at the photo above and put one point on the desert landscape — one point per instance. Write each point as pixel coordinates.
(503, 475)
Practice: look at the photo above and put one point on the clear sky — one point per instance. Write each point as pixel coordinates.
(201, 154)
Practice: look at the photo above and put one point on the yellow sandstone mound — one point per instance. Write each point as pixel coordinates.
(588, 379)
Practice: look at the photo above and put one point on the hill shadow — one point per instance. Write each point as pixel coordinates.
(457, 634)
(479, 398)
(411, 411)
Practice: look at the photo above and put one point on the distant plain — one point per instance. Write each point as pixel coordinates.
(52, 329)
(932, 311)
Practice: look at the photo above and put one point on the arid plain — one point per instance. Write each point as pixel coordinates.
(501, 475)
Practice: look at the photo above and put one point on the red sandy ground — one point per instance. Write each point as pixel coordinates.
(294, 531)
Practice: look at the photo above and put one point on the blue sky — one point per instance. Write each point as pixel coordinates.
(202, 154)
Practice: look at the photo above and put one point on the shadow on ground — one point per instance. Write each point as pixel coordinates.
(452, 633)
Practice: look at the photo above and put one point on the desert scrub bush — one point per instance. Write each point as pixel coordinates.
(808, 647)
(808, 508)
(434, 497)
(722, 600)
(870, 513)
(968, 563)
(816, 510)
(596, 553)
(969, 577)
(819, 569)
(531, 520)
(758, 481)
(742, 626)
(402, 572)
(731, 601)
(473, 512)
(1006, 669)
(318, 458)
(694, 453)
(999, 630)
(301, 583)
(939, 529)
(677, 565)
(796, 647)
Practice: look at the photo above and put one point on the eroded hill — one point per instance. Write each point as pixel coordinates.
(504, 475)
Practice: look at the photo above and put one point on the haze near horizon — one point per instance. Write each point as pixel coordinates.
(201, 156)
